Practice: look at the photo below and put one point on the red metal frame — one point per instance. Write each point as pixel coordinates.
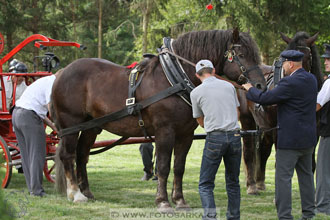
(6, 127)
(2, 43)
(44, 41)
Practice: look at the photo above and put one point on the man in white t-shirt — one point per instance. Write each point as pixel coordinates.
(28, 119)
(322, 195)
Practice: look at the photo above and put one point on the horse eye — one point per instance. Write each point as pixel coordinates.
(241, 55)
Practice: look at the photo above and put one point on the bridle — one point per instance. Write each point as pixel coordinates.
(233, 57)
(300, 48)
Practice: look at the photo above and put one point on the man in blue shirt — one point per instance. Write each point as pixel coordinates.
(295, 96)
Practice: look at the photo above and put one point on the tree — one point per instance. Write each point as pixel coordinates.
(10, 19)
(99, 53)
(266, 18)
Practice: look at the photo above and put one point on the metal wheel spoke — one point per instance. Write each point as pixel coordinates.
(51, 169)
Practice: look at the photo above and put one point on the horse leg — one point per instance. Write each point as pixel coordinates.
(165, 139)
(181, 149)
(86, 140)
(67, 155)
(264, 151)
(249, 156)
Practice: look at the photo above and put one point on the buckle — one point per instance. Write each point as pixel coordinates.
(141, 123)
(130, 101)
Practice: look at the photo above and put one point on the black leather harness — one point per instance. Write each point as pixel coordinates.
(180, 85)
(174, 71)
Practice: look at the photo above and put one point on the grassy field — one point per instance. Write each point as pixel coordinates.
(114, 178)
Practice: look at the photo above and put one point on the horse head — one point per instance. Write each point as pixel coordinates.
(242, 60)
(305, 44)
(232, 53)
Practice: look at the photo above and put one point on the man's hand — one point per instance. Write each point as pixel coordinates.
(247, 86)
(200, 121)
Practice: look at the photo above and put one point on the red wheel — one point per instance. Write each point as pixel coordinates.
(5, 164)
(49, 170)
(2, 43)
(51, 144)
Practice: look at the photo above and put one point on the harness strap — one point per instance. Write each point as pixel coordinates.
(122, 139)
(141, 124)
(132, 86)
(96, 122)
(166, 50)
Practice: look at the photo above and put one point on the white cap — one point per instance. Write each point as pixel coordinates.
(203, 64)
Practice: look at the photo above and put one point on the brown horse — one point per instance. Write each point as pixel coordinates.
(91, 88)
(256, 158)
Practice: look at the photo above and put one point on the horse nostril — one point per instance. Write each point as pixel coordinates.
(260, 87)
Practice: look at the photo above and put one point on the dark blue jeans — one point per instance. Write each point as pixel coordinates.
(218, 145)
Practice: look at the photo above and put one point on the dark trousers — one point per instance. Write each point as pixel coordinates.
(218, 145)
(322, 194)
(286, 162)
(146, 150)
(31, 137)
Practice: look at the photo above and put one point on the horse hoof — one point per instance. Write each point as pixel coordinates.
(261, 186)
(79, 197)
(252, 190)
(164, 207)
(181, 205)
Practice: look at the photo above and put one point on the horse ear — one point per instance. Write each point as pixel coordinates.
(235, 35)
(310, 41)
(285, 38)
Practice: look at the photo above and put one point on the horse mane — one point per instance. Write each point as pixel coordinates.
(212, 45)
(316, 63)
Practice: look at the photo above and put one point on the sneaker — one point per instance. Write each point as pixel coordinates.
(147, 176)
(155, 178)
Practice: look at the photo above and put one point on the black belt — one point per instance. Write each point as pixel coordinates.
(215, 132)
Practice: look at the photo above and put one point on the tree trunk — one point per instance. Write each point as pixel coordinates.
(73, 6)
(9, 43)
(35, 26)
(99, 52)
(145, 24)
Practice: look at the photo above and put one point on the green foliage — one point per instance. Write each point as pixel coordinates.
(114, 179)
(4, 204)
(266, 19)
(122, 21)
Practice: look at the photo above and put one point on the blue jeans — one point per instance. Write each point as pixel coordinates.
(218, 145)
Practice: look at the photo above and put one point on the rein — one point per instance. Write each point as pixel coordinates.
(237, 86)
(166, 50)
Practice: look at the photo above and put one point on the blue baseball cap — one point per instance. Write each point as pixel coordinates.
(292, 55)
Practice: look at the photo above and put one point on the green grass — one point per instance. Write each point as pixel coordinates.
(114, 178)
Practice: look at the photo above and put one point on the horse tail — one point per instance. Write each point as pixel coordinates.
(60, 180)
